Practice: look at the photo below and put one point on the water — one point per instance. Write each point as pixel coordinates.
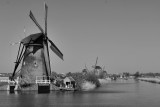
(121, 93)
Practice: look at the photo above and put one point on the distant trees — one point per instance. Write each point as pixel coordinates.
(53, 75)
(137, 74)
(102, 74)
(126, 74)
(150, 74)
(84, 71)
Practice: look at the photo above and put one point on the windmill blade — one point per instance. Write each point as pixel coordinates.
(15, 43)
(96, 62)
(35, 21)
(46, 58)
(45, 43)
(46, 13)
(15, 68)
(18, 60)
(55, 49)
(24, 31)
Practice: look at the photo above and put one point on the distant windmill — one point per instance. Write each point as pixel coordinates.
(34, 54)
(94, 66)
(97, 69)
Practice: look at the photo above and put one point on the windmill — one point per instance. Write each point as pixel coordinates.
(33, 53)
(96, 69)
(95, 66)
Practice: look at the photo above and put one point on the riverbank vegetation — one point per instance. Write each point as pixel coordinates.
(81, 78)
(84, 80)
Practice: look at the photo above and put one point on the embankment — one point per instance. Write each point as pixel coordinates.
(104, 81)
(87, 85)
(152, 80)
(33, 87)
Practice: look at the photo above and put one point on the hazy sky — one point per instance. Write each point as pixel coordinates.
(124, 34)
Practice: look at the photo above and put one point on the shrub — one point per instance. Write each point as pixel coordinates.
(92, 78)
(80, 78)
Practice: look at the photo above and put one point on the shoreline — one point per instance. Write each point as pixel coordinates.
(151, 80)
(85, 86)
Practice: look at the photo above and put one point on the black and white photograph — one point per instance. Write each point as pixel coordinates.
(80, 53)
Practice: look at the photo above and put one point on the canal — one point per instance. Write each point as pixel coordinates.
(121, 93)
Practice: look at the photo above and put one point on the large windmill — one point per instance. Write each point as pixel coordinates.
(34, 54)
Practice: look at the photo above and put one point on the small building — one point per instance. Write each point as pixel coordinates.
(69, 82)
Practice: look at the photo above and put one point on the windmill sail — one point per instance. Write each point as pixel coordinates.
(46, 12)
(56, 50)
(45, 44)
(46, 58)
(35, 21)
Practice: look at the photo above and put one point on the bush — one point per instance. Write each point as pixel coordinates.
(137, 74)
(92, 78)
(80, 78)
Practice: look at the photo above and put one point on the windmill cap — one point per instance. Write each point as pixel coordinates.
(31, 38)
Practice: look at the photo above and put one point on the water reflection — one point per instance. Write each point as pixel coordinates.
(122, 93)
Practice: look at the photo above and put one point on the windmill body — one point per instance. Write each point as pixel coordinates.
(33, 63)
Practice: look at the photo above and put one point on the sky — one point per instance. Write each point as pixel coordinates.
(123, 34)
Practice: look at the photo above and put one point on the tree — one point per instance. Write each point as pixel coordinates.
(53, 76)
(137, 74)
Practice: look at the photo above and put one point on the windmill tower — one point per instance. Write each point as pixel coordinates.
(97, 69)
(34, 54)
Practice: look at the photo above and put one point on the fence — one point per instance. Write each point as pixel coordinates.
(43, 80)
